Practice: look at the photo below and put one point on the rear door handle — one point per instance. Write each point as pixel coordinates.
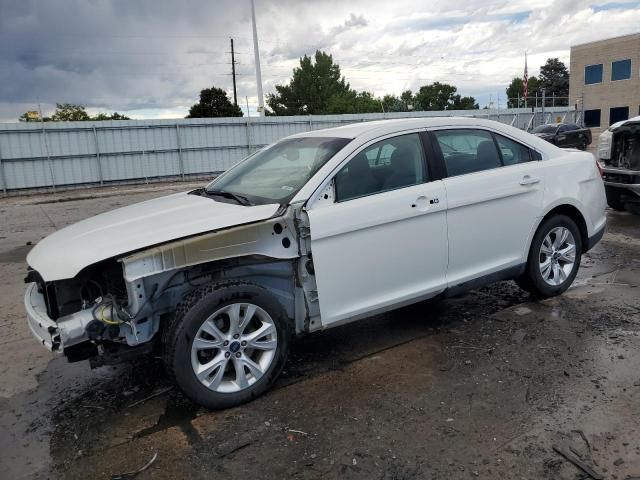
(529, 180)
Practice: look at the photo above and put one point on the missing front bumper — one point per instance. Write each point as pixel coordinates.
(42, 327)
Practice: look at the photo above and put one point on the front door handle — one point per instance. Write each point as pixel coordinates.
(529, 180)
(421, 203)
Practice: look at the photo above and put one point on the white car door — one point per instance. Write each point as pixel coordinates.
(382, 242)
(494, 191)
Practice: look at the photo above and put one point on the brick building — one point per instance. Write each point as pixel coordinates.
(605, 75)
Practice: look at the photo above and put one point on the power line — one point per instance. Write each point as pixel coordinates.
(93, 53)
(113, 35)
(233, 72)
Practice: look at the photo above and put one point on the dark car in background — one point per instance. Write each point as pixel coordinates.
(564, 135)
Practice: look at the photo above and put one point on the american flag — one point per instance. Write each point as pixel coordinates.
(525, 79)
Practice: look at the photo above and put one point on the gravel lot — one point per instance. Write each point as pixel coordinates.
(481, 386)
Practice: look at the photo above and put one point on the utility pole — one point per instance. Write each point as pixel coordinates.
(256, 53)
(544, 92)
(233, 74)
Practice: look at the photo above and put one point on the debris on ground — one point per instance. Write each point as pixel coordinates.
(155, 394)
(577, 462)
(131, 475)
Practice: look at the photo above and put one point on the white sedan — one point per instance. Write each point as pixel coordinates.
(316, 230)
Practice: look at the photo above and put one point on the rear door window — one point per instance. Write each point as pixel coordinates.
(467, 151)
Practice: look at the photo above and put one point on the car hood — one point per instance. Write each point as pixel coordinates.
(64, 253)
(631, 121)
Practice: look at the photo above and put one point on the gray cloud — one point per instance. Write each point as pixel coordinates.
(153, 56)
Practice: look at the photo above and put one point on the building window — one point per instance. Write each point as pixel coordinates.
(620, 70)
(593, 74)
(592, 118)
(618, 114)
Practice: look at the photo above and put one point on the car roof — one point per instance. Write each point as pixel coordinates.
(363, 133)
(383, 127)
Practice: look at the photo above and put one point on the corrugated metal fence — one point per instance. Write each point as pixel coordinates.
(65, 154)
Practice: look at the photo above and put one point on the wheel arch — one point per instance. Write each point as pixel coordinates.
(574, 214)
(276, 275)
(570, 210)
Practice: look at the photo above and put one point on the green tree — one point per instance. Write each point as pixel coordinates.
(464, 103)
(554, 78)
(442, 96)
(516, 89)
(353, 102)
(408, 100)
(317, 87)
(107, 116)
(392, 103)
(214, 102)
(69, 112)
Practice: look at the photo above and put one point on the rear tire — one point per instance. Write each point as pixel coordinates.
(584, 143)
(227, 343)
(554, 257)
(615, 198)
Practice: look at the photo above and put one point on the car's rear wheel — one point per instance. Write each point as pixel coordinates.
(554, 257)
(583, 144)
(227, 343)
(615, 198)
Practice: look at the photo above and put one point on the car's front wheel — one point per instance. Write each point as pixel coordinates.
(227, 343)
(554, 257)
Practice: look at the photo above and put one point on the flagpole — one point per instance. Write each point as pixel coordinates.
(525, 80)
(256, 54)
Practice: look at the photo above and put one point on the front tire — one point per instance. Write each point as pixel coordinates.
(227, 344)
(554, 257)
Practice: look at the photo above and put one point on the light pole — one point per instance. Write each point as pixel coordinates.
(256, 53)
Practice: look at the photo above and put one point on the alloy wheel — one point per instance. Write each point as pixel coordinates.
(234, 347)
(557, 256)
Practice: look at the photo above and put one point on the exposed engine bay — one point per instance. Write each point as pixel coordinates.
(619, 154)
(625, 147)
(111, 311)
(97, 319)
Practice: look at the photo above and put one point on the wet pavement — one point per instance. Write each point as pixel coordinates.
(481, 386)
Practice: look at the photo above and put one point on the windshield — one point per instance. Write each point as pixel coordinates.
(275, 174)
(545, 129)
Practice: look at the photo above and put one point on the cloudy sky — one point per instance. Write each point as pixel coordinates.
(150, 58)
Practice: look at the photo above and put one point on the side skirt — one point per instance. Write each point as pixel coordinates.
(499, 276)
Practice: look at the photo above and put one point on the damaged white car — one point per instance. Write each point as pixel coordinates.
(619, 151)
(316, 230)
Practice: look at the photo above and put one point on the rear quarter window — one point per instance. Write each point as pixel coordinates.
(512, 152)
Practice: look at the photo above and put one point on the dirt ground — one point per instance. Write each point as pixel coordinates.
(482, 386)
